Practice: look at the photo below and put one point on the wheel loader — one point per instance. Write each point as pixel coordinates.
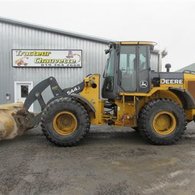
(135, 93)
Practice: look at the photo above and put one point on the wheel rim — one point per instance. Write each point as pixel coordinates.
(65, 123)
(164, 123)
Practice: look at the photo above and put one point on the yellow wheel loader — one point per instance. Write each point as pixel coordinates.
(135, 94)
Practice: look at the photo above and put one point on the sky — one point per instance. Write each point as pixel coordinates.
(170, 23)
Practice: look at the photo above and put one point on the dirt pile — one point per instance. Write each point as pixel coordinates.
(8, 126)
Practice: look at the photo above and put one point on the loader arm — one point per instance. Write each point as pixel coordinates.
(16, 119)
(27, 120)
(36, 92)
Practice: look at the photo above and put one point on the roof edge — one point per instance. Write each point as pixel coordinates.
(188, 68)
(53, 30)
(136, 43)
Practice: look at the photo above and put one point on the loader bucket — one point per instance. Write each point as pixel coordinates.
(10, 126)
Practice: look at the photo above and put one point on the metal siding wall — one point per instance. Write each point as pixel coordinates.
(17, 37)
(6, 79)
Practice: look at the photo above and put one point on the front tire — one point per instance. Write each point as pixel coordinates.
(162, 122)
(65, 122)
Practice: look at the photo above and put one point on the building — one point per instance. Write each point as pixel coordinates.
(30, 53)
(190, 67)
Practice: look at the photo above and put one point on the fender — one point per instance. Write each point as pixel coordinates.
(185, 97)
(89, 107)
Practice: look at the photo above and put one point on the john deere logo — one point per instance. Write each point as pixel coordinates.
(171, 81)
(143, 84)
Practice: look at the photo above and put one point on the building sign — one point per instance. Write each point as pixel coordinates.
(47, 58)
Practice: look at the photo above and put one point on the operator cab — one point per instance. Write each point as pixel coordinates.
(129, 68)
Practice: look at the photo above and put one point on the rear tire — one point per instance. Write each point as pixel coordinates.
(65, 122)
(162, 122)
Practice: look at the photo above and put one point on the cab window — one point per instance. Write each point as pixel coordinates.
(143, 58)
(127, 68)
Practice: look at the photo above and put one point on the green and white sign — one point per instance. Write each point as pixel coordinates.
(47, 58)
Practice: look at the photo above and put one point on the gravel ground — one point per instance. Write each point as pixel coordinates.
(109, 161)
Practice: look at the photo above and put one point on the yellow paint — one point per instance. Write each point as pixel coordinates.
(65, 123)
(93, 96)
(164, 87)
(131, 109)
(190, 114)
(164, 123)
(126, 115)
(170, 95)
(188, 77)
(136, 43)
(130, 104)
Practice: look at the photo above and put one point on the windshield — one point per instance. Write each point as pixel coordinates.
(109, 70)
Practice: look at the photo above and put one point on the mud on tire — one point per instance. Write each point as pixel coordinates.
(147, 127)
(66, 104)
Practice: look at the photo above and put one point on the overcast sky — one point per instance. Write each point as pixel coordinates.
(171, 23)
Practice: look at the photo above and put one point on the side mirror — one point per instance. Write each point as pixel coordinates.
(168, 67)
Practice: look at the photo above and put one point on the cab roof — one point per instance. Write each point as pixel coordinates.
(136, 43)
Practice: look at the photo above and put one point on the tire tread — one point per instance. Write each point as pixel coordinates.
(50, 107)
(143, 122)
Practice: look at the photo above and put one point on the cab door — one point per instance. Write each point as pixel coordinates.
(143, 69)
(128, 68)
(134, 68)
